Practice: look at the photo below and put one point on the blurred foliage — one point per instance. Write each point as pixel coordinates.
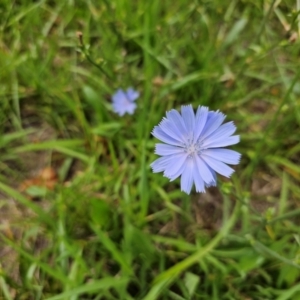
(106, 227)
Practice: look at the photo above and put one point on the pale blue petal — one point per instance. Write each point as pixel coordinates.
(198, 179)
(187, 176)
(175, 117)
(161, 135)
(223, 132)
(225, 155)
(214, 121)
(130, 108)
(169, 162)
(117, 109)
(211, 184)
(204, 170)
(223, 142)
(213, 173)
(160, 164)
(214, 182)
(226, 129)
(119, 96)
(120, 109)
(188, 116)
(175, 165)
(201, 118)
(170, 129)
(218, 166)
(163, 149)
(131, 94)
(178, 173)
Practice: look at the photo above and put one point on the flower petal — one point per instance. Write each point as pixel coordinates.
(187, 177)
(130, 108)
(225, 141)
(178, 173)
(161, 135)
(117, 109)
(218, 166)
(221, 133)
(175, 165)
(198, 179)
(122, 109)
(170, 129)
(213, 183)
(119, 96)
(188, 117)
(200, 121)
(175, 117)
(225, 155)
(204, 171)
(214, 120)
(131, 94)
(163, 149)
(160, 164)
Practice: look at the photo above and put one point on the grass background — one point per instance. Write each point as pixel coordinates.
(82, 215)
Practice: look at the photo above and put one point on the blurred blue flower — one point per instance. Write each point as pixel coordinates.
(123, 101)
(194, 147)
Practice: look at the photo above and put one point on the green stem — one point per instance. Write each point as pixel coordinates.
(168, 277)
(88, 57)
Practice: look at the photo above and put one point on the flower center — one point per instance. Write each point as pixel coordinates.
(192, 148)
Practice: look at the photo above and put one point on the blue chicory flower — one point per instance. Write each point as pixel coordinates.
(123, 101)
(194, 147)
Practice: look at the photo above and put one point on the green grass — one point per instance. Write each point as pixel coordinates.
(110, 228)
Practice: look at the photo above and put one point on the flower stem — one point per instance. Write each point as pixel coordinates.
(84, 50)
(166, 278)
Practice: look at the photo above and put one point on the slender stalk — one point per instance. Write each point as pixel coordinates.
(88, 57)
(166, 278)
